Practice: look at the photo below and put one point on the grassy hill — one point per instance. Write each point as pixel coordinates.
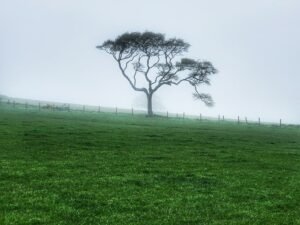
(88, 168)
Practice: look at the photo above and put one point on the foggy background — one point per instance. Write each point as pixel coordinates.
(47, 52)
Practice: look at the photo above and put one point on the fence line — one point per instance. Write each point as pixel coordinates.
(43, 105)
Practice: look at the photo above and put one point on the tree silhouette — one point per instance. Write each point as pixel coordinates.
(149, 61)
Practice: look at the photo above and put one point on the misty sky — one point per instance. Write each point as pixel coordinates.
(47, 52)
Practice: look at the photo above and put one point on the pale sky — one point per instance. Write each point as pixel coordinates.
(47, 52)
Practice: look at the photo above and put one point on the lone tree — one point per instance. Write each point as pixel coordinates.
(147, 61)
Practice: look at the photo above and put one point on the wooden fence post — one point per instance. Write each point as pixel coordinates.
(223, 118)
(246, 120)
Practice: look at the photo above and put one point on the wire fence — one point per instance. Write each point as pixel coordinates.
(67, 107)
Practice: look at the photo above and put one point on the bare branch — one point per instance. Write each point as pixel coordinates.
(130, 82)
(157, 61)
(206, 98)
(129, 61)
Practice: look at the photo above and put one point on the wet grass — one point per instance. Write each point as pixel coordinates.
(84, 168)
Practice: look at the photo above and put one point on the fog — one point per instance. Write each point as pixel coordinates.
(47, 52)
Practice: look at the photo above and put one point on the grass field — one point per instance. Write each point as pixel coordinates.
(86, 168)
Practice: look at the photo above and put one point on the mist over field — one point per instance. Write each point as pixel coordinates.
(47, 52)
(105, 113)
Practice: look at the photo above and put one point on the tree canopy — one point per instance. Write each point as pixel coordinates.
(158, 61)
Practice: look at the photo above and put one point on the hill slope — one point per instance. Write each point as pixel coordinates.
(85, 168)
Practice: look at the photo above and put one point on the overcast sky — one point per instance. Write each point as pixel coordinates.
(47, 52)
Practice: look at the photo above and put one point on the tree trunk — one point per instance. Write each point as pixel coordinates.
(149, 101)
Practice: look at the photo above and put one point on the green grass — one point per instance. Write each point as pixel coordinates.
(86, 168)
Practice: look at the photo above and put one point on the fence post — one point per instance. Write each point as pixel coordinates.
(200, 117)
(246, 120)
(280, 122)
(238, 119)
(183, 114)
(167, 114)
(223, 118)
(258, 120)
(132, 113)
